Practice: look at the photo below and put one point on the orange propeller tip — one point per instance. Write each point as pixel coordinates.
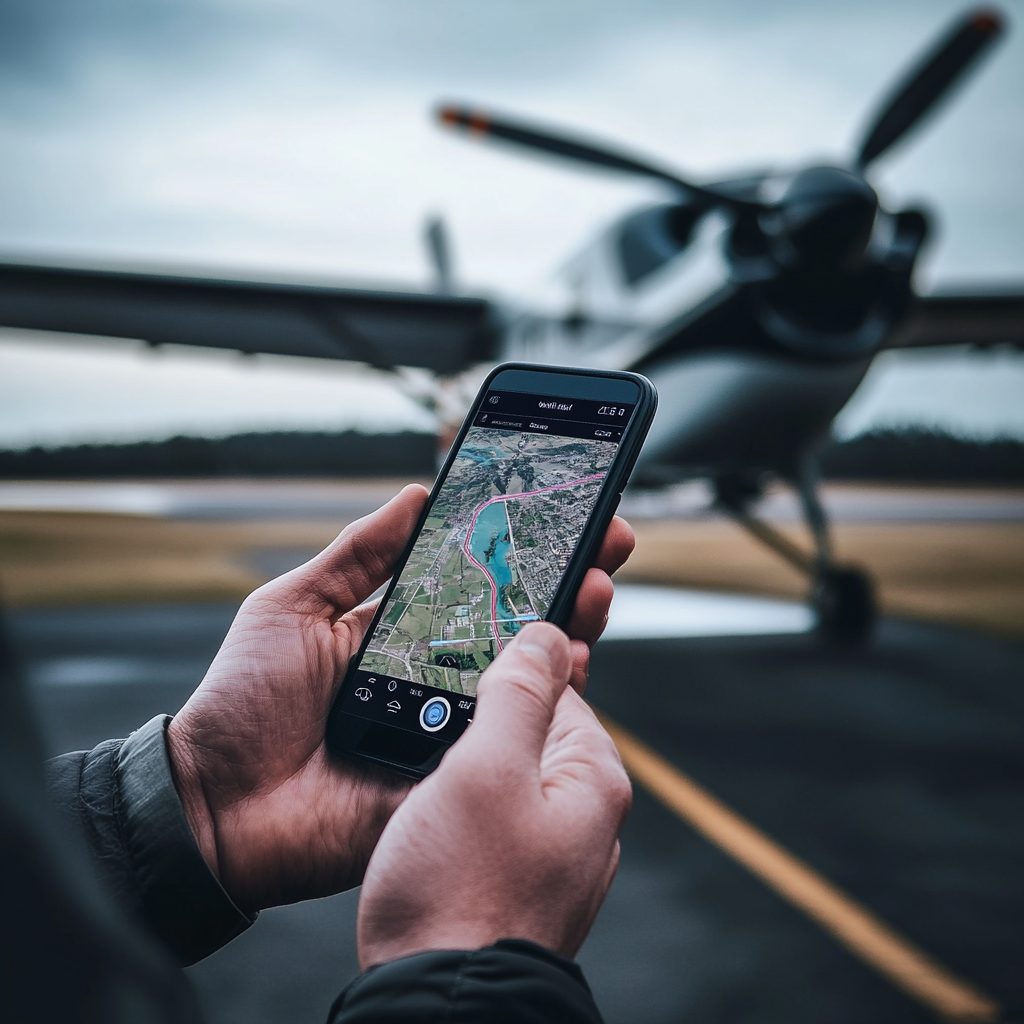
(988, 21)
(457, 117)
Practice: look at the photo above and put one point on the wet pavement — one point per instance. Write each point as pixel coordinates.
(897, 772)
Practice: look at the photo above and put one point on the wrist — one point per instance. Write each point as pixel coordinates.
(189, 786)
(180, 898)
(437, 936)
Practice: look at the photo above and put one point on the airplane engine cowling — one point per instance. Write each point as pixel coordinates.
(727, 411)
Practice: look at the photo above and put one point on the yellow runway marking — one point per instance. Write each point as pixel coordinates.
(856, 927)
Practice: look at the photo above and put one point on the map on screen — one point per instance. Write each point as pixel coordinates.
(491, 554)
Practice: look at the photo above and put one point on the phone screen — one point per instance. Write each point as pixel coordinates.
(492, 552)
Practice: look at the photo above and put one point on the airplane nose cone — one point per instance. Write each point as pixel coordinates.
(824, 219)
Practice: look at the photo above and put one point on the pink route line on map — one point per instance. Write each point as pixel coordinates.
(511, 497)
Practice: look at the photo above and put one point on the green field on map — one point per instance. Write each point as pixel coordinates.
(490, 557)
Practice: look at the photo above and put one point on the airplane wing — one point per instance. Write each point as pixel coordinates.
(982, 320)
(978, 319)
(385, 329)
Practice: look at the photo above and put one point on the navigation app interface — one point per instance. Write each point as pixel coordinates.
(496, 542)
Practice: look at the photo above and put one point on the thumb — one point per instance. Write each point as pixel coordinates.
(360, 559)
(517, 695)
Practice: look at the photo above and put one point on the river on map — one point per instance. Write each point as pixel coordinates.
(479, 455)
(490, 546)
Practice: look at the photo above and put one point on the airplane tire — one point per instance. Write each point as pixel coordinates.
(844, 603)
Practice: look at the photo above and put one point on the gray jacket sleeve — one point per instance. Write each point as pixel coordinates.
(120, 801)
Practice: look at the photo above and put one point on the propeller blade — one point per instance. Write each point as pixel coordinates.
(930, 80)
(484, 125)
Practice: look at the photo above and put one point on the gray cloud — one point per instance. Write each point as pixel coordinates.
(116, 115)
(48, 43)
(45, 42)
(277, 136)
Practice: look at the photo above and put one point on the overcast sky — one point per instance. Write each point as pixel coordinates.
(292, 136)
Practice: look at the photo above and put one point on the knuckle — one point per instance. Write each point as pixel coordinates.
(527, 686)
(620, 793)
(615, 782)
(362, 553)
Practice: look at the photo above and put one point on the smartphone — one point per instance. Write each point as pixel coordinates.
(514, 521)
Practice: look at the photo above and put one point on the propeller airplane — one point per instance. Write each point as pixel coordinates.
(756, 305)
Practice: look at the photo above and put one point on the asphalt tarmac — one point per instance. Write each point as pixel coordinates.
(896, 772)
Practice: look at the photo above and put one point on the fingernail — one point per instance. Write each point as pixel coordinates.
(538, 637)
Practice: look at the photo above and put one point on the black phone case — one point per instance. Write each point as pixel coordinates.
(416, 756)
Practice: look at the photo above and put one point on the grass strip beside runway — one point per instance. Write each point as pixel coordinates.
(856, 927)
(967, 574)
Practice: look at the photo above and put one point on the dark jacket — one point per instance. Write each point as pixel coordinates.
(101, 900)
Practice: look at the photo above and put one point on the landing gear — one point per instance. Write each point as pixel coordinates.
(842, 597)
(843, 600)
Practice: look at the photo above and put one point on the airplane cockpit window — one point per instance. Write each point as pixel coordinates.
(653, 237)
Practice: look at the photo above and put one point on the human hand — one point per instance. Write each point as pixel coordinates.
(276, 818)
(515, 835)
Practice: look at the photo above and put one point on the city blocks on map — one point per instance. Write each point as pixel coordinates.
(491, 555)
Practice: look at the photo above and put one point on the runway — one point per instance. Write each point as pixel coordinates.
(263, 499)
(946, 555)
(895, 773)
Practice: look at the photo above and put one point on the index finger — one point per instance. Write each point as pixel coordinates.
(590, 613)
(617, 546)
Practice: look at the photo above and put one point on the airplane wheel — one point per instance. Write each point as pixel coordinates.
(844, 602)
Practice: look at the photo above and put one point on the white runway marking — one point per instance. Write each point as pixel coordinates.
(253, 498)
(273, 498)
(640, 613)
(105, 670)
